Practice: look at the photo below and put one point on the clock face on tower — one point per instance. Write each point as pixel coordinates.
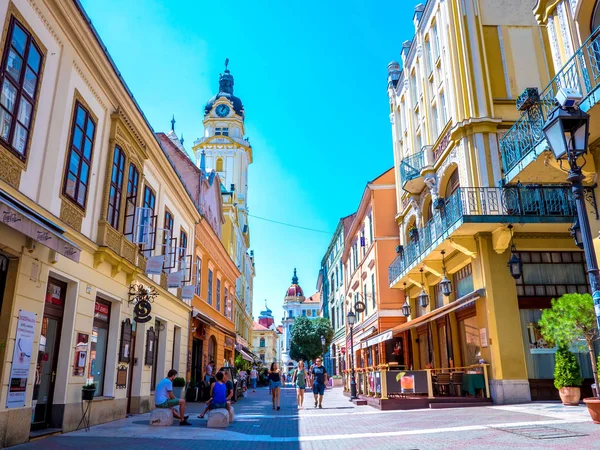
(222, 110)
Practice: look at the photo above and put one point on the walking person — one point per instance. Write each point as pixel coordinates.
(275, 382)
(209, 372)
(253, 378)
(319, 377)
(299, 379)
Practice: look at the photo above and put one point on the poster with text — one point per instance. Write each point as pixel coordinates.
(17, 386)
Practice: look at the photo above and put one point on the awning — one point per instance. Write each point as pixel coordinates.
(436, 314)
(381, 337)
(19, 217)
(245, 355)
(207, 320)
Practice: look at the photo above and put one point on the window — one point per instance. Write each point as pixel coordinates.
(304, 312)
(444, 113)
(365, 299)
(168, 225)
(470, 345)
(116, 188)
(198, 275)
(149, 198)
(183, 244)
(453, 184)
(436, 40)
(418, 143)
(438, 296)
(371, 228)
(221, 131)
(219, 164)
(373, 290)
(131, 200)
(332, 283)
(19, 78)
(210, 278)
(430, 57)
(413, 89)
(97, 365)
(262, 342)
(80, 157)
(228, 309)
(291, 314)
(218, 294)
(434, 123)
(463, 281)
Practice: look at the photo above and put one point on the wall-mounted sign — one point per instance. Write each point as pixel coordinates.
(187, 292)
(150, 341)
(229, 342)
(53, 294)
(101, 311)
(175, 279)
(121, 377)
(154, 265)
(125, 347)
(19, 372)
(81, 349)
(483, 337)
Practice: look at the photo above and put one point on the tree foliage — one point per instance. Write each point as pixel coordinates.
(305, 337)
(567, 372)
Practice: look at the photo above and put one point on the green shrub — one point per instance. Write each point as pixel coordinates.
(179, 382)
(566, 369)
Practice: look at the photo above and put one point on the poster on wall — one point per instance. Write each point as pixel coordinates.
(80, 354)
(19, 371)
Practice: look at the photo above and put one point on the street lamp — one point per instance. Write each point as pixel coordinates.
(576, 234)
(567, 132)
(351, 318)
(406, 306)
(323, 344)
(445, 283)
(515, 265)
(423, 297)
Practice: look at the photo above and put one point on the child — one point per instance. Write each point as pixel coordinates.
(218, 396)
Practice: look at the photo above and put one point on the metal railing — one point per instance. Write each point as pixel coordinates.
(410, 167)
(581, 72)
(522, 201)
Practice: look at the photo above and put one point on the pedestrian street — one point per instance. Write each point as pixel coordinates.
(341, 425)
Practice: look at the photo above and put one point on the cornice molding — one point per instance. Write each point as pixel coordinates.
(87, 82)
(45, 21)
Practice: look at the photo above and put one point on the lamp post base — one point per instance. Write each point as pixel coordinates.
(353, 395)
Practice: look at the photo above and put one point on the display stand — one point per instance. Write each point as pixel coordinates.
(86, 413)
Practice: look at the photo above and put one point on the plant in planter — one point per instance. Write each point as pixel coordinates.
(567, 377)
(413, 232)
(178, 385)
(570, 320)
(87, 391)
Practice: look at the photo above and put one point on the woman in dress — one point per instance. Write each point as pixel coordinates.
(299, 380)
(275, 381)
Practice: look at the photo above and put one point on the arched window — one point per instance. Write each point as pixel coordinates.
(219, 164)
(428, 212)
(596, 17)
(262, 341)
(453, 184)
(212, 348)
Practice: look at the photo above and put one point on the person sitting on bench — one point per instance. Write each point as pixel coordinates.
(164, 398)
(219, 397)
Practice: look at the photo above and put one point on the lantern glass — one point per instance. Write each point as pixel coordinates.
(351, 318)
(515, 266)
(576, 234)
(323, 340)
(567, 130)
(423, 299)
(446, 286)
(406, 309)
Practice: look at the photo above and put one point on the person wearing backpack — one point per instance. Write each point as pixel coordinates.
(299, 379)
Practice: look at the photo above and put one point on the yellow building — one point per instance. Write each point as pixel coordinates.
(77, 158)
(225, 149)
(451, 100)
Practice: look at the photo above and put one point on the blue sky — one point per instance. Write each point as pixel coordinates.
(312, 77)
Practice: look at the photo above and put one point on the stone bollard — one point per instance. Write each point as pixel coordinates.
(218, 418)
(161, 417)
(231, 414)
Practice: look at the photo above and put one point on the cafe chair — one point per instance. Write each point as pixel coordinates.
(442, 383)
(457, 379)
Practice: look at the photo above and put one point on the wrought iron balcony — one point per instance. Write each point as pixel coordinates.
(411, 166)
(510, 204)
(525, 138)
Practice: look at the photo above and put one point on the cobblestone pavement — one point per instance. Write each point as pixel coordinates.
(340, 425)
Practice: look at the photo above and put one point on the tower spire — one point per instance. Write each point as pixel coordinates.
(173, 123)
(203, 161)
(295, 277)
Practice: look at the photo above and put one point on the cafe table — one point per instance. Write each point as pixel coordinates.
(471, 382)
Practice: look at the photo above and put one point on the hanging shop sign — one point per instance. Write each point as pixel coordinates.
(187, 292)
(175, 279)
(229, 342)
(141, 297)
(154, 265)
(19, 373)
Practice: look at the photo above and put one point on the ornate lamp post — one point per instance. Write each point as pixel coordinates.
(445, 284)
(567, 132)
(406, 306)
(423, 297)
(515, 265)
(323, 344)
(351, 318)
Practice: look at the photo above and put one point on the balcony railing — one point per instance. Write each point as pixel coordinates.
(410, 167)
(499, 204)
(581, 72)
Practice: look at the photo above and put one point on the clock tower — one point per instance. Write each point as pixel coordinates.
(225, 149)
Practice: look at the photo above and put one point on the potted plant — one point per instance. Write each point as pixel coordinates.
(413, 232)
(572, 319)
(567, 377)
(178, 385)
(87, 391)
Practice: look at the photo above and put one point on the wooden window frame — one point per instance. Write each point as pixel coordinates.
(209, 286)
(131, 198)
(218, 295)
(183, 242)
(198, 288)
(168, 219)
(114, 202)
(80, 154)
(19, 84)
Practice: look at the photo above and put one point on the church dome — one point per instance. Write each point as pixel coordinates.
(226, 91)
(294, 290)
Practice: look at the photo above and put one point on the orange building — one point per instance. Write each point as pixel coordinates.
(212, 330)
(369, 249)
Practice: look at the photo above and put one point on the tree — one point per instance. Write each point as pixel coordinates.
(572, 319)
(305, 337)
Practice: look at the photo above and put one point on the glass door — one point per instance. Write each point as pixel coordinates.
(45, 374)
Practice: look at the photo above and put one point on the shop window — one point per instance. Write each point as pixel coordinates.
(77, 170)
(97, 365)
(131, 200)
(443, 345)
(19, 80)
(463, 281)
(470, 345)
(116, 188)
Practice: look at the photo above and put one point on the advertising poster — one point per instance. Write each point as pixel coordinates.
(21, 362)
(394, 382)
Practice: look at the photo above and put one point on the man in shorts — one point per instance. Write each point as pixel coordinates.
(319, 379)
(164, 398)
